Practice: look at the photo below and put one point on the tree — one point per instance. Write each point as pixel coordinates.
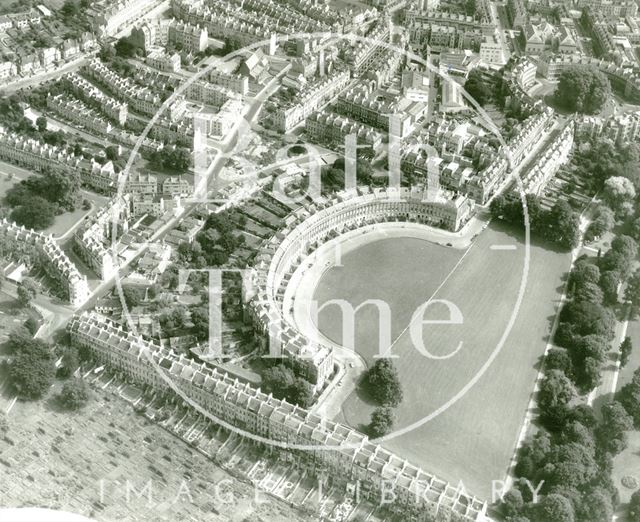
(596, 506)
(382, 420)
(533, 455)
(635, 229)
(383, 383)
(111, 153)
(556, 508)
(582, 89)
(32, 370)
(565, 335)
(4, 424)
(70, 362)
(609, 282)
(621, 256)
(594, 346)
(589, 318)
(74, 394)
(70, 9)
(27, 291)
(617, 190)
(200, 320)
(477, 87)
(589, 292)
(589, 376)
(38, 214)
(133, 295)
(633, 511)
(512, 503)
(125, 48)
(558, 359)
(41, 123)
(562, 225)
(31, 325)
(576, 432)
(470, 7)
(555, 389)
(629, 397)
(277, 380)
(603, 222)
(625, 351)
(612, 431)
(584, 272)
(632, 293)
(18, 339)
(570, 465)
(625, 245)
(300, 393)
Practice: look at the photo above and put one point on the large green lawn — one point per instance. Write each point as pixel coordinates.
(473, 439)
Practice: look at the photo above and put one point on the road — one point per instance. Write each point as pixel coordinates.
(54, 124)
(500, 30)
(213, 180)
(54, 315)
(611, 369)
(36, 79)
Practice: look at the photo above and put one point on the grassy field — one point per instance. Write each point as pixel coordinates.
(472, 440)
(627, 464)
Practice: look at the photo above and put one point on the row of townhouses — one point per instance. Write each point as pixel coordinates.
(109, 18)
(41, 250)
(621, 129)
(442, 30)
(78, 112)
(20, 20)
(37, 155)
(374, 108)
(309, 101)
(455, 170)
(90, 94)
(612, 9)
(17, 61)
(353, 462)
(547, 164)
(90, 241)
(256, 22)
(364, 54)
(327, 127)
(312, 225)
(140, 99)
(484, 185)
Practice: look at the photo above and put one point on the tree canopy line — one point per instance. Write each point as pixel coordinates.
(282, 381)
(559, 225)
(171, 158)
(32, 369)
(216, 242)
(612, 170)
(582, 89)
(587, 321)
(382, 384)
(37, 200)
(573, 452)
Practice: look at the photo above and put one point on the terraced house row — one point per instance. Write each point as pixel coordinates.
(140, 99)
(42, 251)
(310, 226)
(334, 451)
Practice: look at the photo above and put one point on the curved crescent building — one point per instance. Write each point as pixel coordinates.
(309, 227)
